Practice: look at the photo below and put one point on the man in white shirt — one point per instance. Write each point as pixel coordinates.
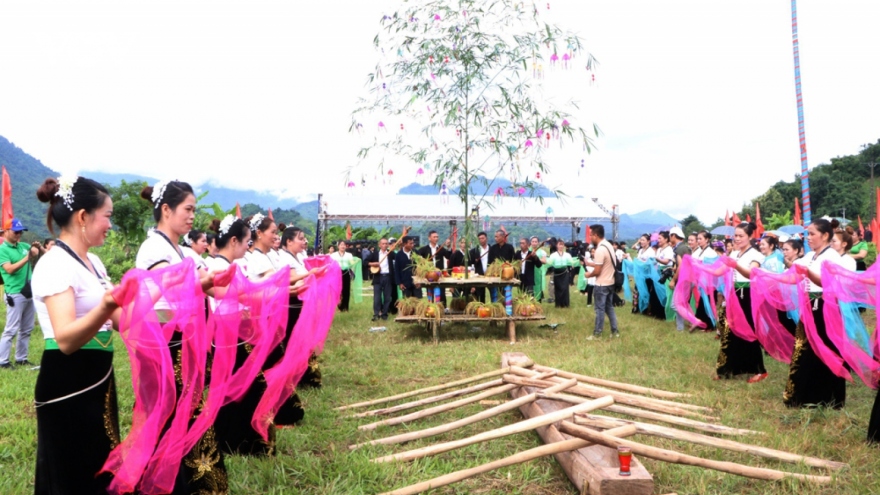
(479, 257)
(382, 281)
(603, 292)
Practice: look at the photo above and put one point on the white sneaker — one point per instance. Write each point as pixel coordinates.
(594, 337)
(616, 335)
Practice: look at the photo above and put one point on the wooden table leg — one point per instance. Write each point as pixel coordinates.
(435, 327)
(511, 331)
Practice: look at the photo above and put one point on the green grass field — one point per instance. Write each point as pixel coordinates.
(358, 365)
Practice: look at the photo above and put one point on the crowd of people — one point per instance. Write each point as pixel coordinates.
(722, 286)
(763, 295)
(76, 304)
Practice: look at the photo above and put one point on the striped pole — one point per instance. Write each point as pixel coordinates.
(802, 136)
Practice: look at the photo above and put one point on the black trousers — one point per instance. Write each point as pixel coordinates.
(381, 294)
(346, 290)
(412, 292)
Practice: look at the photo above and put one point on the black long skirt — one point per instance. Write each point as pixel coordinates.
(703, 315)
(75, 435)
(738, 356)
(874, 423)
(202, 469)
(346, 290)
(235, 435)
(291, 412)
(810, 381)
(655, 307)
(561, 287)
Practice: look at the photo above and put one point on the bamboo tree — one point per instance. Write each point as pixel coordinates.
(459, 72)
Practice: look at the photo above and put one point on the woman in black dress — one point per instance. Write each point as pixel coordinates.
(810, 381)
(738, 356)
(75, 396)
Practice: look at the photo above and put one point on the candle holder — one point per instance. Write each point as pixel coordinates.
(624, 454)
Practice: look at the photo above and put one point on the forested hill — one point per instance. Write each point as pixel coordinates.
(27, 174)
(845, 183)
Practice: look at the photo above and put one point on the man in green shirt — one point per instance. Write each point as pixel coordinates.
(15, 260)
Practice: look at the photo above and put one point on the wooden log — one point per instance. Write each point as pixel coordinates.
(665, 418)
(527, 425)
(437, 430)
(424, 413)
(618, 394)
(491, 403)
(594, 469)
(679, 458)
(605, 422)
(511, 331)
(523, 363)
(643, 402)
(525, 456)
(663, 394)
(428, 400)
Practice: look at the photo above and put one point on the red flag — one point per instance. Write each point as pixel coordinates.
(270, 215)
(875, 213)
(347, 231)
(7, 214)
(726, 218)
(748, 218)
(237, 210)
(760, 230)
(797, 212)
(736, 220)
(454, 237)
(861, 229)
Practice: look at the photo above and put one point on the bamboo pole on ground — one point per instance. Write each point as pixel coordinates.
(618, 385)
(525, 456)
(424, 413)
(428, 400)
(618, 395)
(665, 418)
(489, 413)
(679, 458)
(524, 364)
(643, 402)
(606, 422)
(527, 425)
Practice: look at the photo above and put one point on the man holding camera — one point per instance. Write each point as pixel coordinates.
(15, 259)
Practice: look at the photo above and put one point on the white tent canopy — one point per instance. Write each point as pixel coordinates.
(445, 208)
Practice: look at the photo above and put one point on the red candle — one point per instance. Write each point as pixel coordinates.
(625, 456)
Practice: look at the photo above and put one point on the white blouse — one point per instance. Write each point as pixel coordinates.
(814, 261)
(156, 249)
(646, 254)
(188, 252)
(55, 273)
(295, 263)
(667, 254)
(745, 260)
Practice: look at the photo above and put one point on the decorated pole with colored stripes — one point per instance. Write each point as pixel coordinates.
(805, 169)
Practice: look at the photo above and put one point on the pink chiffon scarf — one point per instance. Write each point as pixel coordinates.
(718, 276)
(319, 299)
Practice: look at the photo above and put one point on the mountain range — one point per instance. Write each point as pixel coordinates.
(27, 173)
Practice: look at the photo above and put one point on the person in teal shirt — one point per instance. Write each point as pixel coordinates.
(15, 260)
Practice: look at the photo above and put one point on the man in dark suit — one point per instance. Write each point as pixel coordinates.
(501, 250)
(403, 270)
(530, 261)
(383, 281)
(479, 258)
(437, 253)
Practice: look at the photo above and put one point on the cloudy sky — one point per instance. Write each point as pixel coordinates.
(695, 98)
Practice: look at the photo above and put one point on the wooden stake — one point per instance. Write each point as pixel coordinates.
(643, 402)
(605, 422)
(524, 363)
(525, 456)
(428, 400)
(679, 458)
(442, 408)
(527, 425)
(665, 418)
(618, 385)
(618, 396)
(489, 413)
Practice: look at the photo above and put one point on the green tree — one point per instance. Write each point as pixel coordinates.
(466, 73)
(691, 224)
(132, 216)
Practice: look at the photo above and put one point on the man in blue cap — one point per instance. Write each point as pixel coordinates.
(15, 260)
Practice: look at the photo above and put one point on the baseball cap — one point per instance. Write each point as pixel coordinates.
(676, 231)
(14, 225)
